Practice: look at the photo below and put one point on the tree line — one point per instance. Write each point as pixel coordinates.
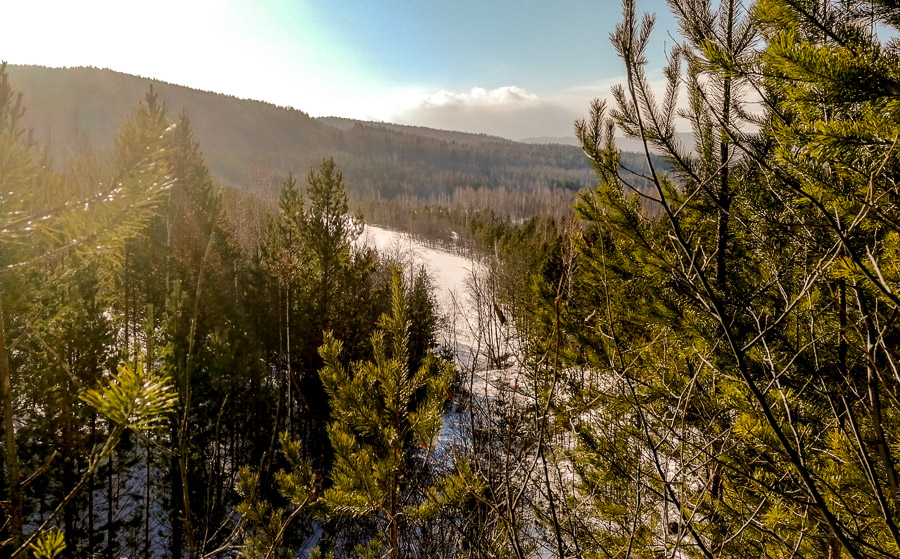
(71, 106)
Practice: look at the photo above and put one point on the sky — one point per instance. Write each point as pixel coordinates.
(513, 68)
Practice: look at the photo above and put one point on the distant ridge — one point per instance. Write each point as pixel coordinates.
(434, 133)
(563, 141)
(255, 144)
(624, 144)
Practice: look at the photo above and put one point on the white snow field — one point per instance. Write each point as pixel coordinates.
(449, 272)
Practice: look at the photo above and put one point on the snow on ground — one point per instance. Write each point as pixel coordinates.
(467, 334)
(450, 273)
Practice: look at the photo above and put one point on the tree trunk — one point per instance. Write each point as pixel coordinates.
(395, 551)
(724, 197)
(90, 537)
(17, 536)
(70, 510)
(287, 335)
(147, 506)
(110, 507)
(834, 551)
(175, 512)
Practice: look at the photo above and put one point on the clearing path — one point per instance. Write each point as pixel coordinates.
(469, 330)
(450, 273)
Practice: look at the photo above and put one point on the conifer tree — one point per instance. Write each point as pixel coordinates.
(326, 284)
(17, 176)
(182, 297)
(53, 226)
(329, 229)
(385, 419)
(741, 413)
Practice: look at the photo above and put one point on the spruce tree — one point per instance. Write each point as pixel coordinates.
(330, 230)
(325, 283)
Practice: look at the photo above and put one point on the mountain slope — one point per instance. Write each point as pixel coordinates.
(433, 133)
(255, 144)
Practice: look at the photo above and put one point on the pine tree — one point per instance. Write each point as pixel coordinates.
(385, 420)
(17, 177)
(732, 320)
(43, 237)
(183, 296)
(330, 230)
(325, 283)
(831, 84)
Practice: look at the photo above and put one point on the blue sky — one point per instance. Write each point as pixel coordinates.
(515, 68)
(541, 46)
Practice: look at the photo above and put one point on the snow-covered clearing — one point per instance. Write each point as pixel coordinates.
(469, 330)
(450, 273)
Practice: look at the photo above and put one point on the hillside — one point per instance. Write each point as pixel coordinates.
(255, 144)
(451, 136)
(632, 145)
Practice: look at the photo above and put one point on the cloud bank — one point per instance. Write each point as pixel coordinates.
(509, 111)
(507, 97)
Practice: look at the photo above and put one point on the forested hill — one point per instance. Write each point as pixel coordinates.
(254, 144)
(452, 136)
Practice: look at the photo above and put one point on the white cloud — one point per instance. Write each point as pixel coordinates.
(508, 111)
(511, 111)
(508, 97)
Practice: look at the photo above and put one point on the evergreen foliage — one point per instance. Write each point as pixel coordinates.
(58, 234)
(385, 420)
(242, 137)
(727, 362)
